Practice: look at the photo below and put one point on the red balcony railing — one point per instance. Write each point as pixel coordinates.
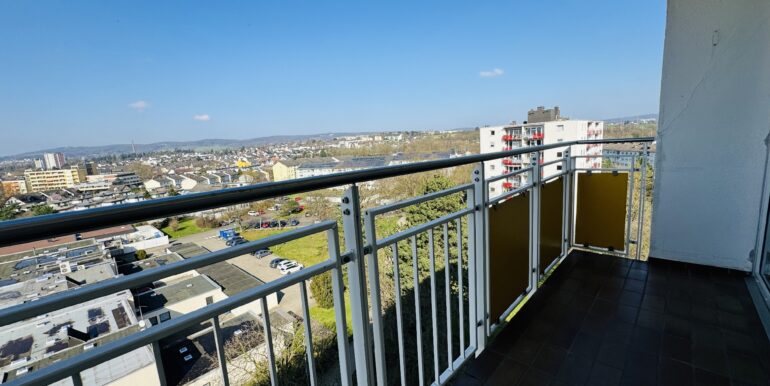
(507, 137)
(538, 136)
(507, 161)
(507, 185)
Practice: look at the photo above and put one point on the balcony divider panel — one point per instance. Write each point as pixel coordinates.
(551, 222)
(601, 210)
(508, 252)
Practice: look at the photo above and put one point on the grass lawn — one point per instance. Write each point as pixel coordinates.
(326, 316)
(186, 227)
(307, 251)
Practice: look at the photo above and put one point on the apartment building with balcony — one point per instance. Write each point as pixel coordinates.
(44, 180)
(543, 127)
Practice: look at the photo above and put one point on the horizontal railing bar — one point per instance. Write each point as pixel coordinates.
(421, 228)
(43, 227)
(416, 200)
(107, 287)
(494, 200)
(103, 353)
(551, 177)
(603, 170)
(503, 176)
(558, 160)
(608, 155)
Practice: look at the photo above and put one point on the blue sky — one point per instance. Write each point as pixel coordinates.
(99, 72)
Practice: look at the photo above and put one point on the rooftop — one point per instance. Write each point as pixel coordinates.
(174, 292)
(232, 279)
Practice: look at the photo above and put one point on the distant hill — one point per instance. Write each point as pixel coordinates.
(202, 144)
(634, 118)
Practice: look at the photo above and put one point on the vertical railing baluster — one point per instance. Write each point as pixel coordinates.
(460, 312)
(359, 306)
(159, 363)
(447, 273)
(417, 313)
(338, 289)
(374, 281)
(220, 344)
(269, 342)
(77, 380)
(433, 301)
(630, 207)
(399, 317)
(312, 374)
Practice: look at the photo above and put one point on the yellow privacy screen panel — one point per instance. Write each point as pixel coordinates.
(508, 252)
(551, 207)
(601, 210)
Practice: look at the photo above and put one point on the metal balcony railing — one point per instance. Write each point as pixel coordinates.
(454, 245)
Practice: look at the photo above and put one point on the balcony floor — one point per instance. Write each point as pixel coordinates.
(602, 320)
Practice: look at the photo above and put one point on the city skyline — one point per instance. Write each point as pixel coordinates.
(256, 70)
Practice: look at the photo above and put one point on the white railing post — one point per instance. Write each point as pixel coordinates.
(362, 338)
(534, 221)
(479, 259)
(567, 203)
(642, 194)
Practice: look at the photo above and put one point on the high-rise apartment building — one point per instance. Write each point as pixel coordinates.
(53, 160)
(543, 127)
(43, 180)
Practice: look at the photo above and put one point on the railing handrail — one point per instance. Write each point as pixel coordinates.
(54, 225)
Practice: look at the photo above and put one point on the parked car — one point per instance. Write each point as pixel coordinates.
(294, 222)
(262, 253)
(274, 224)
(274, 263)
(253, 213)
(283, 223)
(266, 224)
(291, 267)
(235, 241)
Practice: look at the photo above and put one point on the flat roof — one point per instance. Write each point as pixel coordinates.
(149, 263)
(187, 250)
(22, 267)
(36, 343)
(232, 279)
(174, 292)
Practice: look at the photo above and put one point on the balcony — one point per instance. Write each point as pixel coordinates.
(546, 280)
(507, 137)
(537, 136)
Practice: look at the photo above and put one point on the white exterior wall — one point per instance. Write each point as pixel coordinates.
(490, 141)
(714, 121)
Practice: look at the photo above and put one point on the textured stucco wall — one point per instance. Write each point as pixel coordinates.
(714, 118)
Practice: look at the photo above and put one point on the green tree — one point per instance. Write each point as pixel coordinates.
(172, 192)
(140, 254)
(8, 211)
(42, 210)
(321, 288)
(147, 195)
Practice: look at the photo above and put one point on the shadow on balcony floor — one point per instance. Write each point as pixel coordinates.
(602, 320)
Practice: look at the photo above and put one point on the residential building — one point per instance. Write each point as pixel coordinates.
(42, 180)
(285, 170)
(547, 128)
(53, 160)
(13, 187)
(621, 154)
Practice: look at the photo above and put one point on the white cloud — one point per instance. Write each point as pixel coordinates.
(202, 117)
(492, 73)
(139, 105)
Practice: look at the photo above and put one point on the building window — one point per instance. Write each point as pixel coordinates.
(492, 144)
(558, 154)
(154, 320)
(209, 300)
(165, 316)
(558, 167)
(491, 132)
(492, 167)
